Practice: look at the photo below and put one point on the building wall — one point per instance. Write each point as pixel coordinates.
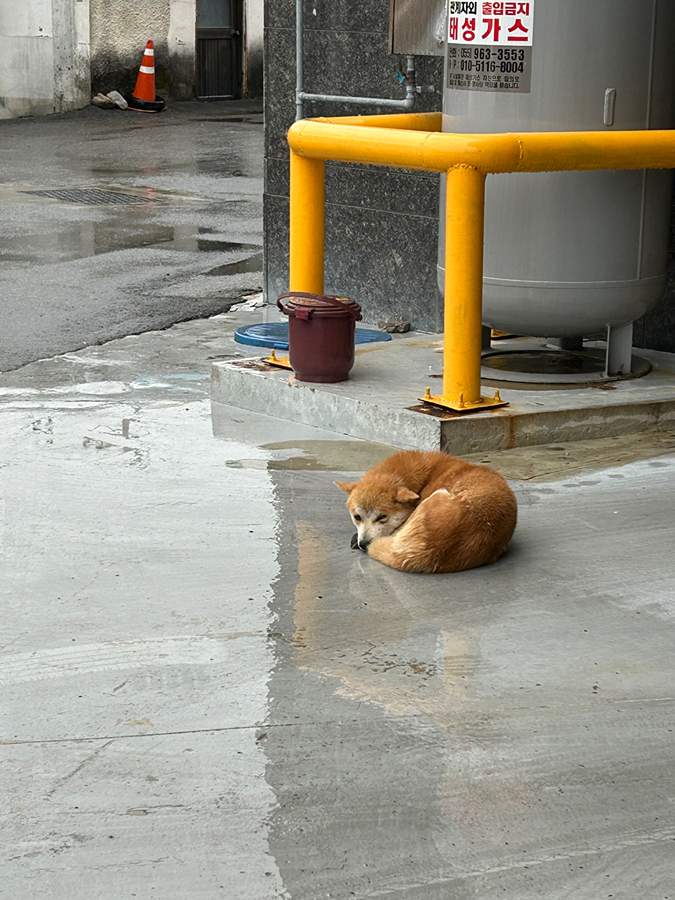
(656, 331)
(55, 53)
(381, 224)
(44, 56)
(119, 32)
(253, 48)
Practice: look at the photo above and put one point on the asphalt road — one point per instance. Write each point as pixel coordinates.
(179, 237)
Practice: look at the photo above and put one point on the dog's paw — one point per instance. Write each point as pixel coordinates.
(354, 543)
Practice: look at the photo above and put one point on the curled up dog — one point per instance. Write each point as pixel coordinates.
(431, 512)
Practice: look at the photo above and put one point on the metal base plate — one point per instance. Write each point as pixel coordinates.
(282, 362)
(464, 409)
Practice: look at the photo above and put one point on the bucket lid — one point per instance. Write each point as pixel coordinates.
(304, 305)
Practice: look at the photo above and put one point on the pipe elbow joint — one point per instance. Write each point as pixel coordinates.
(294, 134)
(409, 102)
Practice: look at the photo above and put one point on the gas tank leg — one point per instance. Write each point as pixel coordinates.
(566, 343)
(619, 346)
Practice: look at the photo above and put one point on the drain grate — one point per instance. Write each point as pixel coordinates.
(91, 196)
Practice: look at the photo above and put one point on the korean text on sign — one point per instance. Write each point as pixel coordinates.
(479, 22)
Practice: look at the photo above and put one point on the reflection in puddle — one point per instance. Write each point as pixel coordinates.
(372, 632)
(254, 120)
(333, 456)
(252, 264)
(83, 239)
(373, 730)
(209, 246)
(318, 456)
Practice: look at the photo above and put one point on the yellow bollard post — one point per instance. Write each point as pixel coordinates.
(465, 198)
(307, 225)
(465, 202)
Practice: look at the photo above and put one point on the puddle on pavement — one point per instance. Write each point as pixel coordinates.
(549, 462)
(326, 456)
(193, 244)
(378, 675)
(225, 246)
(253, 120)
(375, 675)
(252, 264)
(80, 240)
(231, 164)
(406, 342)
(556, 462)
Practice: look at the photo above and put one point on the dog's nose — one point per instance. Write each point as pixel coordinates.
(363, 545)
(354, 542)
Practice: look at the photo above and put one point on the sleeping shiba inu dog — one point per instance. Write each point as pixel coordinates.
(430, 512)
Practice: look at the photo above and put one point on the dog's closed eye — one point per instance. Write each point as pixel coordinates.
(381, 518)
(357, 518)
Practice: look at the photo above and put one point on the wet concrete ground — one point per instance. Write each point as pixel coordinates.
(207, 694)
(74, 274)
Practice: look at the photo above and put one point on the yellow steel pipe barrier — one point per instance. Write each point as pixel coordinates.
(465, 204)
(430, 121)
(415, 141)
(554, 151)
(306, 258)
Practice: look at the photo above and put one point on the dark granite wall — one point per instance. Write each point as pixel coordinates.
(656, 331)
(381, 224)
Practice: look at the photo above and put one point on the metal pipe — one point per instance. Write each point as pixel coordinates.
(325, 139)
(406, 105)
(362, 101)
(411, 89)
(491, 153)
(307, 225)
(428, 121)
(299, 61)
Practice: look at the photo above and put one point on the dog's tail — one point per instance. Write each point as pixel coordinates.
(448, 534)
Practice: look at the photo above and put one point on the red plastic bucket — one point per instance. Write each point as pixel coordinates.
(320, 335)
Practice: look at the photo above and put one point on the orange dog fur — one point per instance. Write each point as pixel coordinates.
(431, 512)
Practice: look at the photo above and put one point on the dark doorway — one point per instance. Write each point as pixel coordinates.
(219, 42)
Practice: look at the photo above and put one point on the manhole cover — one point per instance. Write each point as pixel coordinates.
(553, 366)
(545, 362)
(91, 196)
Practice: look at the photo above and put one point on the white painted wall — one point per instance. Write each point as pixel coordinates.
(182, 28)
(253, 47)
(44, 56)
(47, 48)
(119, 31)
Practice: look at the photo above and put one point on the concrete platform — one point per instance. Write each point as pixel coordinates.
(380, 401)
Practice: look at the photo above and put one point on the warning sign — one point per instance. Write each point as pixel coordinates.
(490, 45)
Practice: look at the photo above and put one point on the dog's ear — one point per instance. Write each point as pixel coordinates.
(346, 486)
(403, 495)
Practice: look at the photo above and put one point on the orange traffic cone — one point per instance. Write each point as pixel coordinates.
(144, 98)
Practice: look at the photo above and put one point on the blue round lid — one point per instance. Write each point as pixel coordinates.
(275, 335)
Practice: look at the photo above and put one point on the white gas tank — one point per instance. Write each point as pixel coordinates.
(568, 253)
